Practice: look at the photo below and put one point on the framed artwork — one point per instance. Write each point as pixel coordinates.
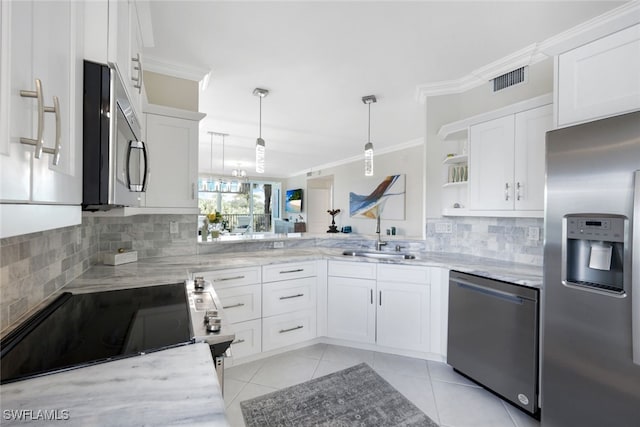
(386, 200)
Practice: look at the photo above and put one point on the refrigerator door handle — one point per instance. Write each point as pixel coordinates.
(635, 271)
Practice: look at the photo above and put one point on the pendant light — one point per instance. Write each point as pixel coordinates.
(368, 147)
(260, 147)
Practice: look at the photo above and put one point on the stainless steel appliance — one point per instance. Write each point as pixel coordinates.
(493, 336)
(115, 160)
(591, 295)
(79, 330)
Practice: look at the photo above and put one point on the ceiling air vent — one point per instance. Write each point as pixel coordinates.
(509, 79)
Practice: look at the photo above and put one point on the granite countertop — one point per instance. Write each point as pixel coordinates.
(173, 269)
(174, 386)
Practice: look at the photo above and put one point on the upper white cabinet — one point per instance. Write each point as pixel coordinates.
(599, 79)
(114, 36)
(41, 115)
(506, 161)
(172, 140)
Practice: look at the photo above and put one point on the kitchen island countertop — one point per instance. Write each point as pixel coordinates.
(174, 386)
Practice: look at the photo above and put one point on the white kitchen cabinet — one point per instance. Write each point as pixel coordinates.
(241, 303)
(288, 329)
(599, 79)
(114, 36)
(40, 41)
(351, 309)
(506, 161)
(288, 303)
(392, 310)
(248, 339)
(171, 136)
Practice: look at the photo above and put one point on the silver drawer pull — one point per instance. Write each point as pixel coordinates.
(240, 341)
(282, 331)
(222, 279)
(297, 270)
(292, 296)
(240, 304)
(38, 143)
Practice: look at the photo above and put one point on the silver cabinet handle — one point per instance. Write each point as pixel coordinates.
(371, 295)
(282, 331)
(506, 191)
(222, 279)
(518, 187)
(292, 296)
(380, 299)
(138, 68)
(39, 141)
(297, 270)
(55, 151)
(240, 304)
(240, 341)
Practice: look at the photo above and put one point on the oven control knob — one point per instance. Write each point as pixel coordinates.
(198, 283)
(214, 324)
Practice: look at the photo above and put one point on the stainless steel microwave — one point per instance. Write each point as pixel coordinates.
(115, 159)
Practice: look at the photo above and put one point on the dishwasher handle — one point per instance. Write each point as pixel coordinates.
(474, 287)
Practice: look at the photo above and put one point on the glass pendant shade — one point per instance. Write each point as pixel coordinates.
(260, 154)
(368, 159)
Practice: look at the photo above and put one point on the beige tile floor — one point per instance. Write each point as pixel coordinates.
(448, 398)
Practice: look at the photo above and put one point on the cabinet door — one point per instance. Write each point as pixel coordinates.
(600, 79)
(530, 132)
(241, 303)
(248, 338)
(41, 39)
(173, 162)
(351, 309)
(16, 112)
(286, 329)
(288, 295)
(491, 164)
(403, 316)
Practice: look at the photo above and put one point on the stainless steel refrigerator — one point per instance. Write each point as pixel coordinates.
(591, 294)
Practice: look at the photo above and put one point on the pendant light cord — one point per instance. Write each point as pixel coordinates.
(260, 130)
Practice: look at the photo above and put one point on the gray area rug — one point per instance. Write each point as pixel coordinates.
(356, 396)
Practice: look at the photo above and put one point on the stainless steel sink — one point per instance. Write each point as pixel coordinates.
(380, 255)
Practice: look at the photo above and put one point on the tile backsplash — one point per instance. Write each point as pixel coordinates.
(33, 266)
(498, 238)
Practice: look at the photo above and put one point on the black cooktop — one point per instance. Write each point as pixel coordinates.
(78, 330)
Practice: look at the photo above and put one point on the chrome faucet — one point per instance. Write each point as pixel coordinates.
(380, 243)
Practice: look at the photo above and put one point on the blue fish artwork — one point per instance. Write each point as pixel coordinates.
(372, 205)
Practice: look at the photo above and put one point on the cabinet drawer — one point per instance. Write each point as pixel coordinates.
(241, 303)
(248, 338)
(358, 270)
(404, 274)
(231, 277)
(290, 270)
(286, 329)
(288, 295)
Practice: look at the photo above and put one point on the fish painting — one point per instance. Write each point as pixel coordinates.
(373, 204)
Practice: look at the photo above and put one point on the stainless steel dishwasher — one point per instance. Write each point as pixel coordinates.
(493, 336)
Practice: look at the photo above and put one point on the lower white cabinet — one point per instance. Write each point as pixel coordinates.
(393, 310)
(351, 309)
(403, 315)
(288, 295)
(287, 329)
(241, 303)
(248, 338)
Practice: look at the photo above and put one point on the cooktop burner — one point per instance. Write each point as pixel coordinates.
(78, 330)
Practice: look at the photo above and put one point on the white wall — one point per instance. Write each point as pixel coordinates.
(441, 110)
(408, 161)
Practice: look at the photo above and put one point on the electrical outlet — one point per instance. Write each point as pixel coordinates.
(278, 245)
(533, 233)
(173, 227)
(444, 227)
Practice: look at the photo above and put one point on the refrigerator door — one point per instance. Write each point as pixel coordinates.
(588, 374)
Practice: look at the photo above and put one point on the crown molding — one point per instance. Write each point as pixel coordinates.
(174, 69)
(358, 158)
(614, 20)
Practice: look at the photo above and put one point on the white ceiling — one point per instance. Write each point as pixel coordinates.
(318, 59)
